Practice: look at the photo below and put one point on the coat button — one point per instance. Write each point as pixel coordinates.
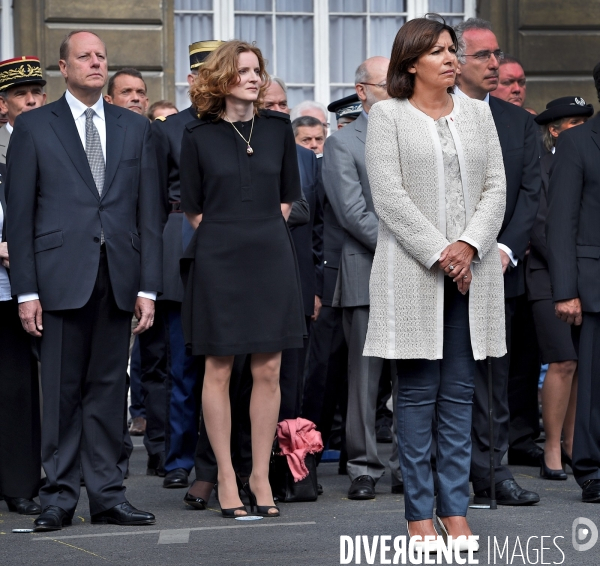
(96, 239)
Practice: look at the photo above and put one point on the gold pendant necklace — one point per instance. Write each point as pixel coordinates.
(249, 149)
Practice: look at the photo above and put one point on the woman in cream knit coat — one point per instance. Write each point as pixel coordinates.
(437, 302)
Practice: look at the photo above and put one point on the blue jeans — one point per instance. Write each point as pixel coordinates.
(427, 388)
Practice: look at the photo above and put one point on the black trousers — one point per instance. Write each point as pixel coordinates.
(84, 360)
(523, 377)
(291, 378)
(240, 389)
(326, 385)
(586, 442)
(153, 377)
(20, 460)
(480, 450)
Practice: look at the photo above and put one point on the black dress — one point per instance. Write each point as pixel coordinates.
(242, 287)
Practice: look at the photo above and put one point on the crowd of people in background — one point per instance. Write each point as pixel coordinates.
(440, 230)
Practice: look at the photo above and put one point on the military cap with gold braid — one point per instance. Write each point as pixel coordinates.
(200, 50)
(20, 71)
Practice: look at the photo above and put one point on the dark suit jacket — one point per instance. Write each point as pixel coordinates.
(520, 150)
(3, 198)
(537, 274)
(308, 243)
(573, 223)
(56, 214)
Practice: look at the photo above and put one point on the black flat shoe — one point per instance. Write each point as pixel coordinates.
(52, 519)
(22, 506)
(176, 479)
(591, 491)
(195, 502)
(549, 474)
(363, 487)
(261, 510)
(508, 492)
(529, 457)
(123, 514)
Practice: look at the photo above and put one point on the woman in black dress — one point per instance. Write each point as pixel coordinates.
(239, 176)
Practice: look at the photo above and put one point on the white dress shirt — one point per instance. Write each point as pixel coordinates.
(513, 260)
(78, 109)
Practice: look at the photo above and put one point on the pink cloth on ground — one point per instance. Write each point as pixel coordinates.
(297, 438)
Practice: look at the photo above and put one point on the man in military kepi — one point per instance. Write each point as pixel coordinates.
(346, 110)
(21, 90)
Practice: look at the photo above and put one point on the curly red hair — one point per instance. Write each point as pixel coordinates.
(218, 73)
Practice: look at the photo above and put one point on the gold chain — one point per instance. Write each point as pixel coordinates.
(249, 150)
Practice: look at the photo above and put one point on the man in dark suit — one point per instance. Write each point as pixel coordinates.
(573, 252)
(20, 458)
(479, 63)
(86, 253)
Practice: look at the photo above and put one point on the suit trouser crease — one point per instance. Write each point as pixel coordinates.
(364, 374)
(480, 452)
(84, 359)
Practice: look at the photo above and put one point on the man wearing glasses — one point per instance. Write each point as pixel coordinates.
(479, 62)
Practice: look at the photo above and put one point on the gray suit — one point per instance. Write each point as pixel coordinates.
(347, 187)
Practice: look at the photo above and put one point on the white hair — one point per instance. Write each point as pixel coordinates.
(280, 83)
(305, 105)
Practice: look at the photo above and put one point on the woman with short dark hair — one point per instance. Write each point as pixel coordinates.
(239, 176)
(437, 177)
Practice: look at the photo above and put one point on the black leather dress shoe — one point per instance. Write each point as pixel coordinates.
(176, 478)
(156, 465)
(398, 488)
(22, 506)
(363, 487)
(123, 514)
(508, 492)
(591, 491)
(52, 519)
(383, 434)
(529, 457)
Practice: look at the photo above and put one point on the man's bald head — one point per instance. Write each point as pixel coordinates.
(371, 81)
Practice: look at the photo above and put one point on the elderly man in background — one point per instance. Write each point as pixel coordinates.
(479, 62)
(127, 89)
(20, 461)
(347, 188)
(512, 83)
(314, 109)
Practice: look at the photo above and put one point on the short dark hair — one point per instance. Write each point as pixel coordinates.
(305, 121)
(413, 39)
(129, 71)
(510, 59)
(159, 104)
(66, 43)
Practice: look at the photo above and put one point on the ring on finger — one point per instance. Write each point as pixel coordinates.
(451, 267)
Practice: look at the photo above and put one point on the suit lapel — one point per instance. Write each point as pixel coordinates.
(66, 131)
(360, 127)
(115, 138)
(502, 125)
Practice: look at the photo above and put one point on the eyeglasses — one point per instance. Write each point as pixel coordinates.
(485, 55)
(381, 85)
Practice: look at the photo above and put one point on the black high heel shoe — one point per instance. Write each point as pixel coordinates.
(261, 510)
(548, 474)
(565, 458)
(230, 513)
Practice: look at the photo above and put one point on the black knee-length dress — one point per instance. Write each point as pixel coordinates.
(242, 287)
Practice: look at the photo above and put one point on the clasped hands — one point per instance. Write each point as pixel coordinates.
(455, 261)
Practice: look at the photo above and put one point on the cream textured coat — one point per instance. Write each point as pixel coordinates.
(406, 172)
